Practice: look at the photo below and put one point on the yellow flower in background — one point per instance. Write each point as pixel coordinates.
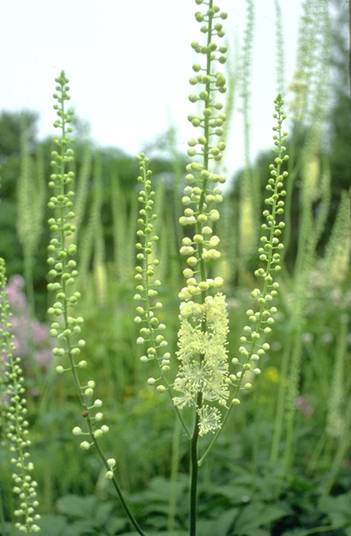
(272, 374)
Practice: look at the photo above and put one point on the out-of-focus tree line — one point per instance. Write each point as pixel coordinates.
(107, 174)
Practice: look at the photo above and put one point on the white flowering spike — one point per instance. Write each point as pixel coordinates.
(260, 320)
(15, 420)
(147, 317)
(202, 381)
(67, 325)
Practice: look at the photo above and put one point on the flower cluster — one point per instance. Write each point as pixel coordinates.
(151, 329)
(66, 325)
(201, 193)
(208, 375)
(15, 420)
(202, 377)
(259, 326)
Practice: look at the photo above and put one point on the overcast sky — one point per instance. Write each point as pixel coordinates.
(129, 62)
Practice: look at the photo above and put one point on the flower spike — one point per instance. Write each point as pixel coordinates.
(66, 325)
(203, 375)
(260, 321)
(15, 420)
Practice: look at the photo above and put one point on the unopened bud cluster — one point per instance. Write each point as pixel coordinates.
(202, 378)
(260, 321)
(202, 192)
(15, 422)
(66, 325)
(151, 329)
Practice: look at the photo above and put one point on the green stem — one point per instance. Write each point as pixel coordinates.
(115, 482)
(173, 478)
(318, 530)
(2, 517)
(194, 471)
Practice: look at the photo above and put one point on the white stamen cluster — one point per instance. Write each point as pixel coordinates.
(202, 379)
(208, 375)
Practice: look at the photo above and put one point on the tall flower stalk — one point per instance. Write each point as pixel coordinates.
(203, 374)
(66, 325)
(15, 420)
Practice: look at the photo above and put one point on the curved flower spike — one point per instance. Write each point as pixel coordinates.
(66, 325)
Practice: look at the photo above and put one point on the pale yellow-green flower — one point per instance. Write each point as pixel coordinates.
(203, 357)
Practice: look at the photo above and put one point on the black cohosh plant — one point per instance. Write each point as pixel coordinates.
(207, 383)
(14, 420)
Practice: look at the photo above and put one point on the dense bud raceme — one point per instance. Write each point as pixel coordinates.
(260, 320)
(66, 326)
(203, 375)
(151, 330)
(15, 420)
